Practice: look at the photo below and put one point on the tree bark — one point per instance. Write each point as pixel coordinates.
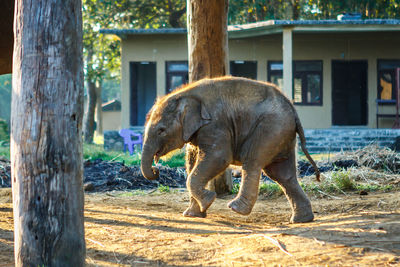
(208, 55)
(207, 38)
(46, 136)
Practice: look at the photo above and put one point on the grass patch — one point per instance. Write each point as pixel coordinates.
(267, 189)
(132, 193)
(93, 151)
(270, 189)
(356, 180)
(174, 159)
(163, 188)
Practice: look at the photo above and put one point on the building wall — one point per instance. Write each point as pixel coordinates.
(111, 120)
(369, 46)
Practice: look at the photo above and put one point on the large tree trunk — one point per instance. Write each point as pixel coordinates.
(46, 136)
(208, 54)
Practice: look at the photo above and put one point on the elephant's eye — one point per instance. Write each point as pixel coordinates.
(161, 131)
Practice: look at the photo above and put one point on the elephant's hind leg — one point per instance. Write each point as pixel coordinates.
(284, 173)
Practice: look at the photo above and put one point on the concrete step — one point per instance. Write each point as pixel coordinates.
(335, 140)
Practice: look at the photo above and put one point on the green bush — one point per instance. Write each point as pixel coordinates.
(4, 131)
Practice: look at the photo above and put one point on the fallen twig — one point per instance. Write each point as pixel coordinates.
(319, 241)
(278, 244)
(273, 241)
(96, 242)
(328, 194)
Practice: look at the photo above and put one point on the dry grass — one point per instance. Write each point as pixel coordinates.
(374, 157)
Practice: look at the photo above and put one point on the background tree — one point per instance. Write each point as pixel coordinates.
(247, 11)
(102, 54)
(46, 143)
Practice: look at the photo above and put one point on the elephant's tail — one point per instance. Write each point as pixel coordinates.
(300, 131)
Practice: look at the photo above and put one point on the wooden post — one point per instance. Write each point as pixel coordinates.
(208, 54)
(46, 136)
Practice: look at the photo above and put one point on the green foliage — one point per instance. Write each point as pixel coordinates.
(102, 52)
(235, 188)
(5, 97)
(247, 11)
(5, 151)
(163, 188)
(4, 131)
(341, 179)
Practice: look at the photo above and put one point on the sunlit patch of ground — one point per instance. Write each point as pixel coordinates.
(149, 230)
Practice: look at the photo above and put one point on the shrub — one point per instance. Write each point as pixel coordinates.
(4, 131)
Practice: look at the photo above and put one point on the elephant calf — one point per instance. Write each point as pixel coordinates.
(227, 121)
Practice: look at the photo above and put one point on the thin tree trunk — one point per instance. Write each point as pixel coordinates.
(99, 113)
(208, 54)
(88, 126)
(46, 142)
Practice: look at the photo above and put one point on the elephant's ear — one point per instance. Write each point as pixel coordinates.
(193, 116)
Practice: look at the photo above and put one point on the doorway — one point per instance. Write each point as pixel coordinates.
(143, 90)
(349, 93)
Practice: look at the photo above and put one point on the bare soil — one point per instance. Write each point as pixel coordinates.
(148, 229)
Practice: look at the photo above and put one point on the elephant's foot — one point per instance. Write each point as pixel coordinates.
(302, 215)
(207, 199)
(241, 206)
(190, 212)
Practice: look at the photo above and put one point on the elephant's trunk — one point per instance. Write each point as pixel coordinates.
(148, 171)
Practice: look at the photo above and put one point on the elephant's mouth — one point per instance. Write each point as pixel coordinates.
(157, 156)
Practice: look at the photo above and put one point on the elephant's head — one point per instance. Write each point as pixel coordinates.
(171, 123)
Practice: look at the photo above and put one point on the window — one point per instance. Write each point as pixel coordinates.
(177, 74)
(387, 79)
(307, 80)
(275, 73)
(246, 69)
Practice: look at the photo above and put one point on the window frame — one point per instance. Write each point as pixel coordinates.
(295, 75)
(378, 72)
(168, 73)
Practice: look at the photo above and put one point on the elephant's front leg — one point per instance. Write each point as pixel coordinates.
(206, 168)
(191, 157)
(248, 193)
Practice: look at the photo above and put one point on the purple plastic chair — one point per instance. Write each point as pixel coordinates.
(127, 134)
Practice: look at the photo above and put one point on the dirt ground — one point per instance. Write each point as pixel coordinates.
(148, 229)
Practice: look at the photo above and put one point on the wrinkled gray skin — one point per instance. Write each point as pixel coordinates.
(229, 121)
